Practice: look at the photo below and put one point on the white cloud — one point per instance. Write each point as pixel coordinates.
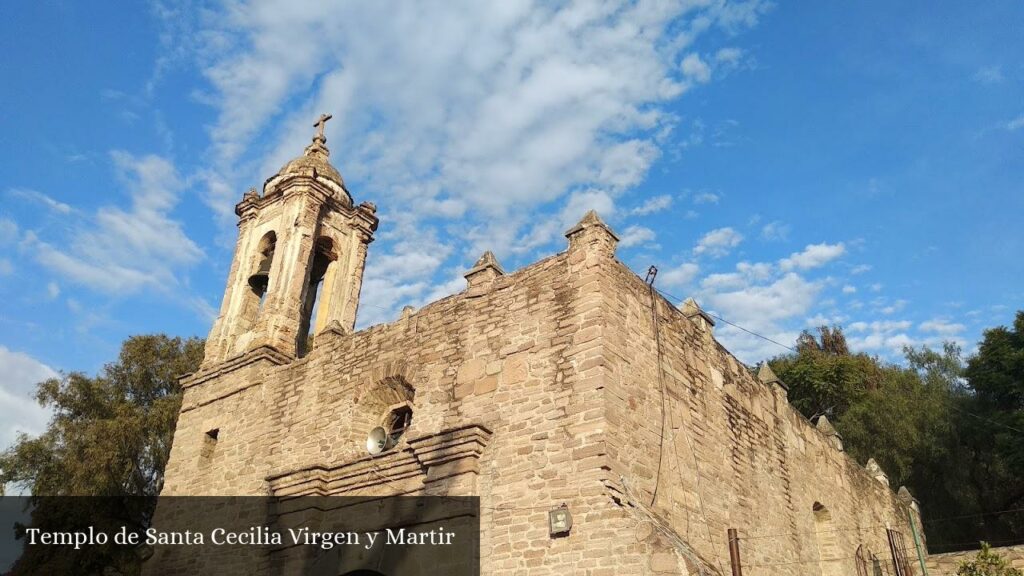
(123, 251)
(813, 256)
(758, 271)
(706, 198)
(718, 242)
(939, 326)
(789, 296)
(52, 290)
(876, 287)
(491, 106)
(992, 74)
(729, 56)
(8, 231)
(860, 269)
(723, 281)
(396, 278)
(652, 205)
(765, 308)
(36, 196)
(678, 276)
(695, 68)
(894, 307)
(775, 231)
(889, 337)
(880, 326)
(510, 116)
(19, 412)
(6, 267)
(1015, 124)
(635, 236)
(848, 289)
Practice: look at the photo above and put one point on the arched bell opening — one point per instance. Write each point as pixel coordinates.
(259, 281)
(313, 303)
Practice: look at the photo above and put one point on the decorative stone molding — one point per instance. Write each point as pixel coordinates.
(591, 234)
(698, 316)
(453, 451)
(830, 433)
(766, 375)
(483, 273)
(907, 498)
(333, 328)
(268, 353)
(423, 460)
(876, 472)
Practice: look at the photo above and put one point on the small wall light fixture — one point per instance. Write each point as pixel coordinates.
(559, 521)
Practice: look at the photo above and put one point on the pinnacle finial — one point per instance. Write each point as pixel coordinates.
(591, 217)
(484, 272)
(487, 258)
(591, 220)
(825, 426)
(766, 375)
(486, 261)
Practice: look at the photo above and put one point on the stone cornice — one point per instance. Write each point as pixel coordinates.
(417, 460)
(267, 353)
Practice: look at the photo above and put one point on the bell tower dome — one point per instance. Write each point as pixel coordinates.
(298, 262)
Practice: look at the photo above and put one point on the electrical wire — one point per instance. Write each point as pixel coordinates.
(792, 349)
(656, 324)
(733, 324)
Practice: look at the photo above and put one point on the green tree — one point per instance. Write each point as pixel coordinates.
(996, 375)
(987, 563)
(823, 377)
(992, 429)
(944, 430)
(110, 435)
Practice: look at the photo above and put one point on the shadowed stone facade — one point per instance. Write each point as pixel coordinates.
(569, 381)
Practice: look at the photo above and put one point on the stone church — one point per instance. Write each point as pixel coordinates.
(604, 429)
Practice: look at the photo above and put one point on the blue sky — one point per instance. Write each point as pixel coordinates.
(787, 165)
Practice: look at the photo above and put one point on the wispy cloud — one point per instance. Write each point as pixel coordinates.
(695, 69)
(37, 196)
(464, 110)
(992, 74)
(8, 231)
(706, 198)
(652, 205)
(1015, 124)
(120, 251)
(775, 231)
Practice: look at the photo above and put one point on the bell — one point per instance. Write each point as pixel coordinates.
(261, 278)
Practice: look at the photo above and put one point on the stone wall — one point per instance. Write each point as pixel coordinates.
(710, 447)
(946, 564)
(551, 383)
(506, 358)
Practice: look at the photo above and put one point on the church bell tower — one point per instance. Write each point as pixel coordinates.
(298, 262)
